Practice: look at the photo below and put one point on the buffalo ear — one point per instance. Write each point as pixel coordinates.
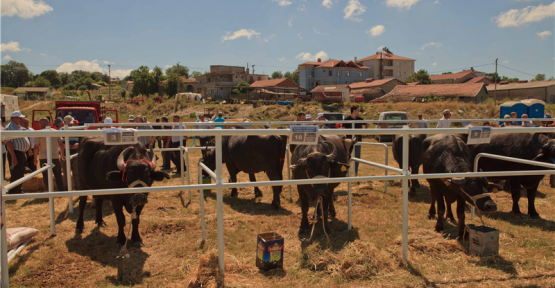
(114, 176)
(159, 176)
(343, 166)
(297, 167)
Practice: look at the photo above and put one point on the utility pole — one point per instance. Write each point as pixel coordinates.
(176, 101)
(495, 93)
(252, 69)
(109, 84)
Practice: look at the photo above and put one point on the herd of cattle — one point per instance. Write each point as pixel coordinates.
(107, 167)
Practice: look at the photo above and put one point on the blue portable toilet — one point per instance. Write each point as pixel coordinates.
(509, 107)
(536, 108)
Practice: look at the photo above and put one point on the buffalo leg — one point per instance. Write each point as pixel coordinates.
(273, 176)
(440, 211)
(331, 208)
(257, 192)
(80, 222)
(531, 194)
(460, 215)
(433, 194)
(450, 213)
(326, 204)
(233, 175)
(135, 236)
(515, 193)
(120, 217)
(99, 221)
(305, 226)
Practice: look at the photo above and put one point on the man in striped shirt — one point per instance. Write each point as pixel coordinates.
(175, 143)
(146, 140)
(17, 148)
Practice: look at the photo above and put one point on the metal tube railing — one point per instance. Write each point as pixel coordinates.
(378, 165)
(386, 157)
(405, 201)
(68, 169)
(50, 187)
(208, 170)
(27, 177)
(201, 196)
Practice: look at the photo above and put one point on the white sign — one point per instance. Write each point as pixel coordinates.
(118, 136)
(303, 135)
(479, 135)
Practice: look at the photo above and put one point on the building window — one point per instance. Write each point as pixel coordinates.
(360, 74)
(398, 64)
(398, 74)
(338, 73)
(410, 64)
(347, 73)
(330, 73)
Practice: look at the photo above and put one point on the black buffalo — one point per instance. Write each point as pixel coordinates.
(109, 167)
(415, 156)
(449, 154)
(328, 159)
(252, 154)
(528, 146)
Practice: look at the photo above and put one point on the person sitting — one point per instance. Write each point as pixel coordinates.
(89, 118)
(506, 123)
(526, 123)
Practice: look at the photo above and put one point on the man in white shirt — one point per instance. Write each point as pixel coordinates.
(203, 139)
(446, 116)
(422, 124)
(175, 143)
(526, 123)
(41, 156)
(30, 163)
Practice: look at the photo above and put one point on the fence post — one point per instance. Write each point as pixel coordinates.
(69, 180)
(349, 196)
(3, 236)
(386, 156)
(50, 186)
(182, 162)
(288, 170)
(405, 194)
(220, 206)
(201, 196)
(188, 173)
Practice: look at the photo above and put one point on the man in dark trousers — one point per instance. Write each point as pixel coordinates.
(30, 157)
(354, 116)
(166, 164)
(158, 138)
(17, 148)
(175, 143)
(41, 156)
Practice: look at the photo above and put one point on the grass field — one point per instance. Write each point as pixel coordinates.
(367, 256)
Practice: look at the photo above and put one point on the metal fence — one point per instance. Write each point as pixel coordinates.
(220, 185)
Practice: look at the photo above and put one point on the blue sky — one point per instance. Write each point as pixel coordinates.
(442, 35)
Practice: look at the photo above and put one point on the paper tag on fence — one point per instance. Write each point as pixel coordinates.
(118, 136)
(303, 135)
(479, 135)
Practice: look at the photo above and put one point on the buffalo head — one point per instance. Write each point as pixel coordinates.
(320, 165)
(474, 190)
(547, 147)
(137, 171)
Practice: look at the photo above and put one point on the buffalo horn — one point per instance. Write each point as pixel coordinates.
(458, 180)
(302, 161)
(153, 157)
(121, 157)
(331, 156)
(536, 141)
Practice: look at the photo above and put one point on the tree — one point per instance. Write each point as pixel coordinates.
(293, 76)
(195, 74)
(421, 76)
(170, 86)
(539, 77)
(447, 73)
(14, 74)
(143, 81)
(277, 75)
(243, 84)
(97, 76)
(53, 77)
(552, 78)
(183, 71)
(157, 73)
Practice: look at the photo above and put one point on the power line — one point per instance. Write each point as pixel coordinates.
(462, 68)
(516, 70)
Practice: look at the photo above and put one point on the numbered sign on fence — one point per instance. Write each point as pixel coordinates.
(479, 135)
(118, 136)
(303, 135)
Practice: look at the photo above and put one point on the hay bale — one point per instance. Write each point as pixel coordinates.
(36, 184)
(356, 260)
(206, 271)
(431, 243)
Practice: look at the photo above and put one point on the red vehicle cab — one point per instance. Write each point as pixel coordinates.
(82, 111)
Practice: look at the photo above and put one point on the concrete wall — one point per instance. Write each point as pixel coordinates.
(321, 76)
(522, 94)
(403, 69)
(226, 69)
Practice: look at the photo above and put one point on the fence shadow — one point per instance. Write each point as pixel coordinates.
(99, 247)
(90, 212)
(339, 235)
(254, 207)
(22, 259)
(543, 224)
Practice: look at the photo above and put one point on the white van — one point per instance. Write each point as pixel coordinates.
(391, 115)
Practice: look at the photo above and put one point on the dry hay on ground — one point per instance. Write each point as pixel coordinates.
(358, 259)
(206, 273)
(431, 244)
(36, 184)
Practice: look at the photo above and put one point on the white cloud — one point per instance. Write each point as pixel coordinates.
(309, 57)
(380, 48)
(12, 47)
(517, 17)
(282, 59)
(376, 30)
(434, 64)
(437, 2)
(401, 4)
(42, 54)
(240, 33)
(106, 62)
(327, 3)
(167, 66)
(506, 61)
(26, 9)
(80, 65)
(269, 38)
(283, 2)
(290, 23)
(7, 57)
(353, 10)
(299, 35)
(318, 32)
(119, 73)
(544, 34)
(431, 44)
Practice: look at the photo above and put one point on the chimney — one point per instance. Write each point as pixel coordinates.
(369, 80)
(247, 71)
(472, 68)
(319, 60)
(355, 60)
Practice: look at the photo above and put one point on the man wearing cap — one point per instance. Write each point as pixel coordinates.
(320, 117)
(109, 122)
(308, 117)
(547, 123)
(41, 156)
(17, 148)
(131, 119)
(73, 146)
(30, 163)
(446, 116)
(506, 123)
(58, 123)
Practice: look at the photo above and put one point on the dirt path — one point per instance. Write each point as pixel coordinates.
(36, 104)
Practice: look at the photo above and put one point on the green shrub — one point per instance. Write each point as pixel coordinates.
(82, 87)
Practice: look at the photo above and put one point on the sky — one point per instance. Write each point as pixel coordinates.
(277, 35)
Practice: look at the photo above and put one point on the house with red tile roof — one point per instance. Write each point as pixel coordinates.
(385, 84)
(460, 77)
(222, 79)
(473, 92)
(330, 72)
(481, 79)
(386, 65)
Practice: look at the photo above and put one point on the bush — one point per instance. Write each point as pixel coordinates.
(70, 87)
(7, 89)
(82, 87)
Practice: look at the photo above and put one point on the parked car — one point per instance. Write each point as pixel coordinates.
(390, 115)
(333, 117)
